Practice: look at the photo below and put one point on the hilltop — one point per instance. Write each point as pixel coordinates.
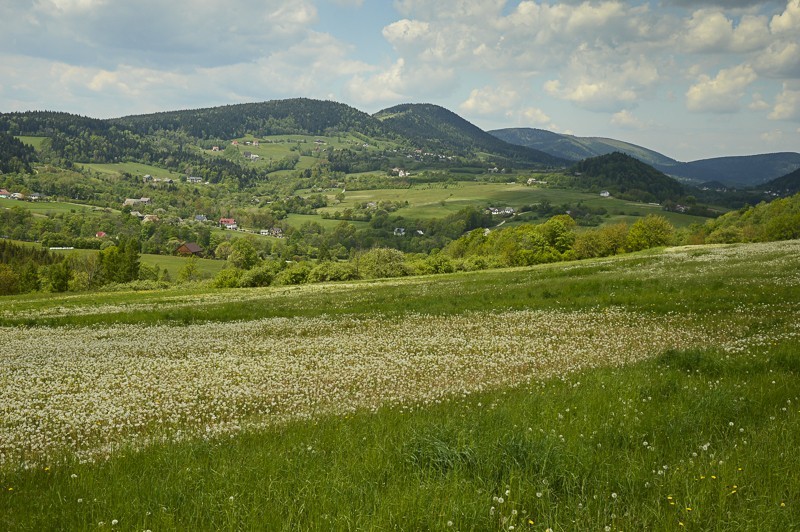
(438, 129)
(575, 148)
(624, 175)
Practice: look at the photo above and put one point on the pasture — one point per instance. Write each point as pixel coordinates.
(437, 200)
(656, 390)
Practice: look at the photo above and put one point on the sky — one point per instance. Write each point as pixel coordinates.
(690, 79)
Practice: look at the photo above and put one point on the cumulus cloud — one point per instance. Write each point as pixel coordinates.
(626, 120)
(711, 30)
(721, 94)
(399, 82)
(787, 104)
(592, 80)
(490, 101)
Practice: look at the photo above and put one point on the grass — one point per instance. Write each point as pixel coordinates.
(35, 142)
(135, 169)
(436, 200)
(46, 207)
(695, 437)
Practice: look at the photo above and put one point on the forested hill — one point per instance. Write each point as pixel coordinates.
(624, 175)
(14, 155)
(785, 185)
(437, 129)
(299, 116)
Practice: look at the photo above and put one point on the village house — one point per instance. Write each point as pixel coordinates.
(150, 218)
(605, 194)
(194, 179)
(17, 196)
(228, 223)
(214, 148)
(100, 234)
(200, 218)
(129, 202)
(399, 231)
(4, 193)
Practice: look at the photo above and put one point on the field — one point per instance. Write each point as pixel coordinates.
(651, 391)
(436, 200)
(135, 169)
(46, 207)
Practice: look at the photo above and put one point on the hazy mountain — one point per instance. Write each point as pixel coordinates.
(577, 148)
(748, 170)
(440, 130)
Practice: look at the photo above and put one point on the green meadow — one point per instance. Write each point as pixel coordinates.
(437, 200)
(651, 391)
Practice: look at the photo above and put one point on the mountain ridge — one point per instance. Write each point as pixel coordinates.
(737, 170)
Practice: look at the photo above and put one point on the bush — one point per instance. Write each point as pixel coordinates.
(227, 278)
(382, 262)
(332, 271)
(260, 276)
(295, 274)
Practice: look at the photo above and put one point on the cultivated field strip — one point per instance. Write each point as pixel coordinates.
(83, 392)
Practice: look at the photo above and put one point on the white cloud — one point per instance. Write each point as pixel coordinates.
(593, 80)
(780, 60)
(787, 104)
(490, 101)
(758, 103)
(535, 116)
(626, 120)
(776, 135)
(789, 20)
(721, 94)
(710, 30)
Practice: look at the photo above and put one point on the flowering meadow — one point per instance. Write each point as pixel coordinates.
(652, 391)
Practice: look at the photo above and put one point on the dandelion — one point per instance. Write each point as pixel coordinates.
(449, 523)
(614, 496)
(114, 522)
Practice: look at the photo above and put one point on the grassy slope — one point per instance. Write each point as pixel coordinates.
(698, 439)
(425, 200)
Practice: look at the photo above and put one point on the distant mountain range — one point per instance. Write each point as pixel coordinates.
(162, 136)
(749, 170)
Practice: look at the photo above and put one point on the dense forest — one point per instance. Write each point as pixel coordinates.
(626, 177)
(299, 116)
(15, 157)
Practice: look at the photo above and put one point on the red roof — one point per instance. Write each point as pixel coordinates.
(227, 221)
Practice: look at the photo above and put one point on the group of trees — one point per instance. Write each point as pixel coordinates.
(28, 269)
(555, 240)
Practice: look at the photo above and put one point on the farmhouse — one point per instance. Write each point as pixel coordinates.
(189, 249)
(194, 179)
(399, 231)
(100, 234)
(4, 193)
(605, 194)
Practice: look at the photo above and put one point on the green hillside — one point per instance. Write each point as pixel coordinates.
(622, 174)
